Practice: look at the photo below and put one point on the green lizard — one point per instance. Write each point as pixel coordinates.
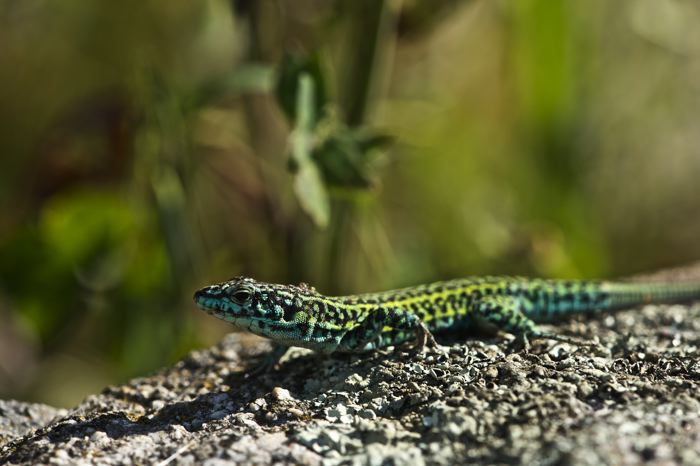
(299, 316)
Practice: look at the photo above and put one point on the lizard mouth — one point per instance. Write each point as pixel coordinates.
(208, 304)
(214, 305)
(218, 309)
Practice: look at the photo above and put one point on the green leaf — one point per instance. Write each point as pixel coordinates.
(288, 81)
(246, 79)
(308, 182)
(347, 158)
(370, 142)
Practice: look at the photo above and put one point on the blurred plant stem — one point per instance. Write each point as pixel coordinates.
(268, 136)
(368, 28)
(371, 33)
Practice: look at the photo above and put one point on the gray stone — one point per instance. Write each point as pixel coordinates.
(635, 399)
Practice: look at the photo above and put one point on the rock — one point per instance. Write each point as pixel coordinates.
(636, 401)
(18, 418)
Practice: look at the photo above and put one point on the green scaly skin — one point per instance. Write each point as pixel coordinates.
(299, 316)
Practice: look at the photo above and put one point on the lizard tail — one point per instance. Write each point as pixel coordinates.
(622, 295)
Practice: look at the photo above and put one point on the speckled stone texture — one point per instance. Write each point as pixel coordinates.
(18, 418)
(634, 399)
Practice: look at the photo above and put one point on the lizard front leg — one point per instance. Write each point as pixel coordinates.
(269, 361)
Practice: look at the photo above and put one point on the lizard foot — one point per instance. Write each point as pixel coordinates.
(426, 340)
(425, 337)
(519, 343)
(268, 362)
(574, 341)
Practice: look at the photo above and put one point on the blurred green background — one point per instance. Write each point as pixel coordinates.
(151, 147)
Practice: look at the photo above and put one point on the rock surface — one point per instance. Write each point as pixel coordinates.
(634, 399)
(18, 418)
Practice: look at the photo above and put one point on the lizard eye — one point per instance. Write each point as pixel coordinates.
(241, 295)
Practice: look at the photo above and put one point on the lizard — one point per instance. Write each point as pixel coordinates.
(298, 315)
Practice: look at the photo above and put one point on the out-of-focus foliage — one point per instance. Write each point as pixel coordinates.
(325, 153)
(151, 147)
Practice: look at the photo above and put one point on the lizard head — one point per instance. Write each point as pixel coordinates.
(255, 306)
(291, 315)
(239, 297)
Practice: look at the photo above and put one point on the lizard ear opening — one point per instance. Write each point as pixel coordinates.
(289, 314)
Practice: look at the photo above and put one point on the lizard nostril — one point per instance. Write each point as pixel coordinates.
(207, 292)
